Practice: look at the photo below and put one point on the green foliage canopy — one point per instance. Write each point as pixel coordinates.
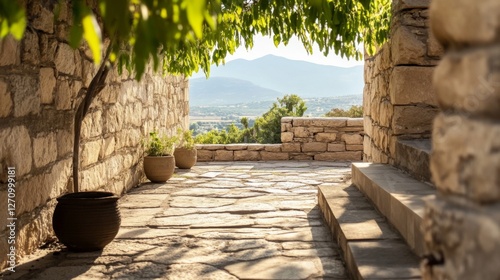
(12, 19)
(187, 34)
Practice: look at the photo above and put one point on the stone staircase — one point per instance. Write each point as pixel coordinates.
(377, 220)
(413, 156)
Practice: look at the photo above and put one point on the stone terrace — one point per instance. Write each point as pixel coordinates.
(303, 138)
(221, 220)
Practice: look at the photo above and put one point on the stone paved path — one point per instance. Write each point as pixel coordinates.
(234, 220)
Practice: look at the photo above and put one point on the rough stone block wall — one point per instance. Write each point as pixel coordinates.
(40, 79)
(335, 139)
(398, 101)
(462, 225)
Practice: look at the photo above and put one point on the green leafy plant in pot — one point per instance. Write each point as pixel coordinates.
(186, 154)
(159, 162)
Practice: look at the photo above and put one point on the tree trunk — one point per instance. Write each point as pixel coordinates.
(96, 86)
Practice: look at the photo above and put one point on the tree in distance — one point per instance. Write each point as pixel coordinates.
(266, 129)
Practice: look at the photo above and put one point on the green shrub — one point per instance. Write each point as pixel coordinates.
(186, 139)
(159, 145)
(353, 112)
(232, 134)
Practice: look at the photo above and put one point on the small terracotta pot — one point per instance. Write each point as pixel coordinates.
(159, 169)
(185, 158)
(86, 221)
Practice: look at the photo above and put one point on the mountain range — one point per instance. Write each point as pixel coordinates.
(270, 77)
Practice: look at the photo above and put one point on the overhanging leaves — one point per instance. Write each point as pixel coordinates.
(92, 34)
(12, 19)
(190, 34)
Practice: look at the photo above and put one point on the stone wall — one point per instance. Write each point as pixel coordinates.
(40, 78)
(462, 225)
(335, 139)
(398, 101)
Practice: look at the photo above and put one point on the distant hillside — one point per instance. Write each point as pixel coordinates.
(225, 91)
(315, 107)
(277, 74)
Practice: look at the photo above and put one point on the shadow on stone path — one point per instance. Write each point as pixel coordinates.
(229, 220)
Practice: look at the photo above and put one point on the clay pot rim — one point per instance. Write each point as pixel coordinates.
(90, 195)
(159, 156)
(184, 148)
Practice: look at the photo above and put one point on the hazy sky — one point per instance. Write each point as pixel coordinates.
(294, 50)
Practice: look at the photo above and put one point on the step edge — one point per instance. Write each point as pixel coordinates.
(414, 215)
(354, 266)
(339, 236)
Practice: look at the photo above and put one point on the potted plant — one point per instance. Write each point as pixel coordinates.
(186, 154)
(87, 221)
(80, 215)
(159, 162)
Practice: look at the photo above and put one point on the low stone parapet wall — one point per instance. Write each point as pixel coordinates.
(333, 139)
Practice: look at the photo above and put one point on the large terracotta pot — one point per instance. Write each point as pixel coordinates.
(86, 221)
(159, 168)
(185, 158)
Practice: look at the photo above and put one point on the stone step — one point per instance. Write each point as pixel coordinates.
(370, 247)
(397, 196)
(413, 156)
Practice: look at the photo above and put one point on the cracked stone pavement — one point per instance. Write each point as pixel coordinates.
(220, 220)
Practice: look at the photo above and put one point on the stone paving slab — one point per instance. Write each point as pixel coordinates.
(224, 220)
